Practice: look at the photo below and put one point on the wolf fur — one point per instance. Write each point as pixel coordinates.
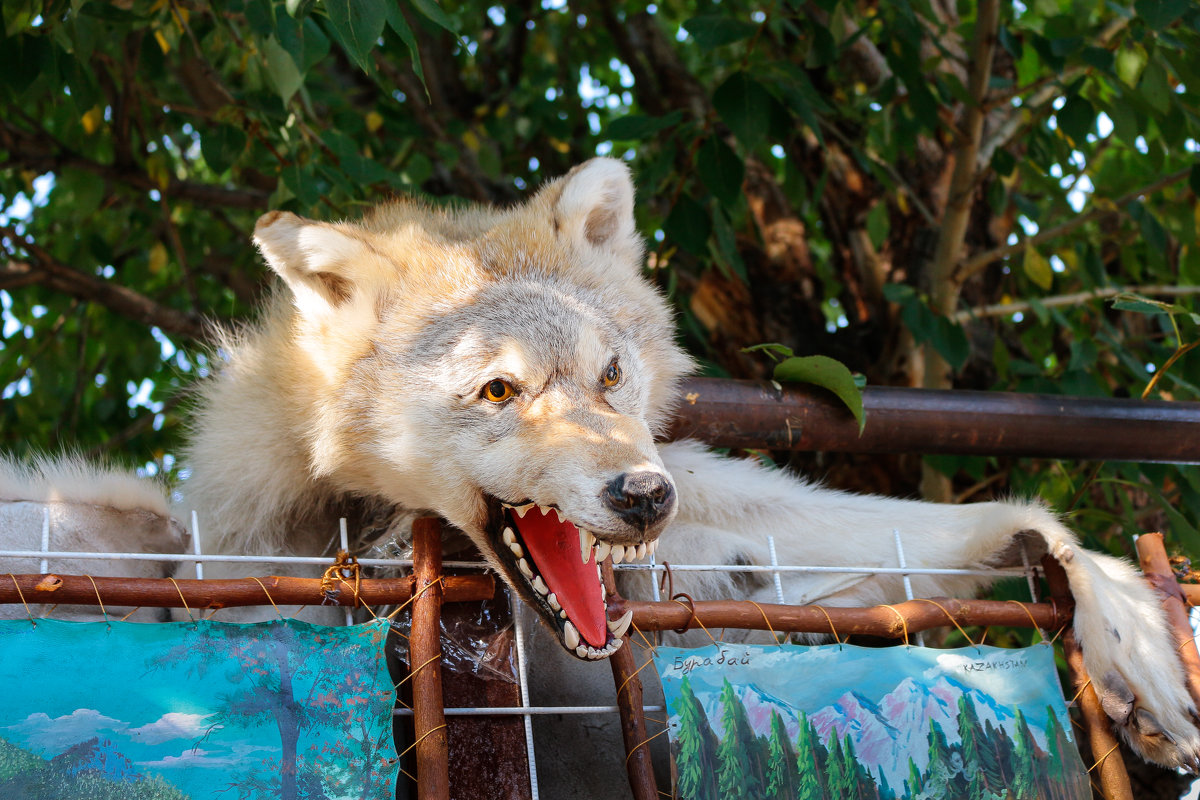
(494, 366)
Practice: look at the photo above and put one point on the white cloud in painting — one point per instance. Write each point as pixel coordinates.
(197, 757)
(52, 735)
(172, 725)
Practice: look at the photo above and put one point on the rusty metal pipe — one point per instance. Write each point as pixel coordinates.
(749, 414)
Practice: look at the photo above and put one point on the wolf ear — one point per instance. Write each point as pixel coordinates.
(321, 263)
(595, 208)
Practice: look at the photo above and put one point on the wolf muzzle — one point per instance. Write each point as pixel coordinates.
(640, 499)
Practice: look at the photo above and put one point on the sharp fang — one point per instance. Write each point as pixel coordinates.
(540, 585)
(570, 636)
(523, 565)
(585, 544)
(552, 599)
(618, 627)
(581, 651)
(516, 549)
(560, 515)
(544, 510)
(508, 536)
(602, 550)
(618, 553)
(522, 510)
(641, 551)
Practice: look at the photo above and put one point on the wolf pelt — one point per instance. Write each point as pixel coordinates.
(490, 365)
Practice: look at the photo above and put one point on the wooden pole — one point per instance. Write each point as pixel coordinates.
(1109, 767)
(638, 763)
(1157, 569)
(425, 654)
(885, 621)
(227, 593)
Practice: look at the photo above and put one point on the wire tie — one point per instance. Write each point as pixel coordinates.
(766, 620)
(21, 595)
(829, 619)
(268, 594)
(950, 617)
(182, 598)
(418, 741)
(642, 743)
(1106, 755)
(903, 621)
(413, 672)
(107, 621)
(633, 675)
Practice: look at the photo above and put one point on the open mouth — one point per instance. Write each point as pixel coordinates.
(559, 564)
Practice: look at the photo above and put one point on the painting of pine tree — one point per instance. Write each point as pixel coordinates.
(918, 724)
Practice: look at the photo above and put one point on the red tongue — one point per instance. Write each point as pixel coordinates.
(554, 548)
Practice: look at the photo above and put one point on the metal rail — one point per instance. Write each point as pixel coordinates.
(750, 414)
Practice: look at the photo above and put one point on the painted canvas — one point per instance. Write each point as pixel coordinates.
(168, 711)
(896, 723)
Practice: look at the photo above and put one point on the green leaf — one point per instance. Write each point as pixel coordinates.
(19, 15)
(1155, 88)
(721, 170)
(221, 146)
(1158, 14)
(715, 30)
(302, 184)
(640, 126)
(1076, 119)
(397, 22)
(1131, 61)
(1037, 268)
(299, 8)
(434, 13)
(359, 24)
(828, 374)
(727, 246)
(282, 71)
(744, 105)
(878, 223)
(689, 225)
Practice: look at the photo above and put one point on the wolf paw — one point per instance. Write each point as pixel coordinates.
(1172, 741)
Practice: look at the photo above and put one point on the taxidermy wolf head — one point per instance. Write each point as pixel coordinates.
(507, 369)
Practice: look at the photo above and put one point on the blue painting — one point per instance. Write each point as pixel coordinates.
(169, 711)
(896, 723)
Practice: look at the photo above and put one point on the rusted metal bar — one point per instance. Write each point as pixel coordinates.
(883, 621)
(638, 763)
(749, 414)
(1109, 767)
(227, 593)
(425, 654)
(1157, 568)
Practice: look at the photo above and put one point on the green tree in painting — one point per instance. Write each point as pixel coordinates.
(913, 785)
(738, 775)
(808, 769)
(1025, 760)
(696, 748)
(782, 779)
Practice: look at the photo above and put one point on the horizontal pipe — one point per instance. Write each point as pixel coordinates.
(882, 621)
(750, 414)
(226, 593)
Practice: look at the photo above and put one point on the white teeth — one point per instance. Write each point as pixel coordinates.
(585, 544)
(516, 549)
(508, 536)
(581, 651)
(522, 510)
(523, 565)
(630, 553)
(540, 585)
(618, 627)
(618, 553)
(552, 599)
(603, 593)
(544, 510)
(602, 550)
(615, 646)
(652, 548)
(593, 653)
(562, 613)
(641, 551)
(570, 636)
(560, 515)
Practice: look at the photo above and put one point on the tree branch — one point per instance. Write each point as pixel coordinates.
(119, 299)
(978, 262)
(1073, 299)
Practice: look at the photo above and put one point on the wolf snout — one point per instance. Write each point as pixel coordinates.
(640, 499)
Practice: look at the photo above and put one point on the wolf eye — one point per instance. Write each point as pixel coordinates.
(612, 375)
(498, 391)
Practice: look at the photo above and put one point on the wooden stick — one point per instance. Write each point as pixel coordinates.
(167, 593)
(638, 763)
(425, 654)
(882, 621)
(1109, 768)
(1157, 568)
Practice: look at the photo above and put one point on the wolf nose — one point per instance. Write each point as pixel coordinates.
(640, 498)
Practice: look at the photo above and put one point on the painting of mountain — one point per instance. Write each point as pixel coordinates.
(900, 723)
(190, 711)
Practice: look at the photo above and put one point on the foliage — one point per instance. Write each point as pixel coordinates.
(885, 184)
(23, 774)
